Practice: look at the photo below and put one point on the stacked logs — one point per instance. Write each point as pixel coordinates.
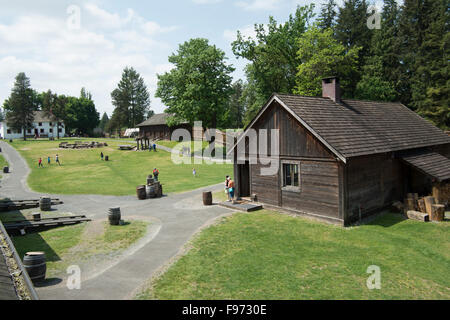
(423, 209)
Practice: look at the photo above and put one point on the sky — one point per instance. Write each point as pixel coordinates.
(66, 45)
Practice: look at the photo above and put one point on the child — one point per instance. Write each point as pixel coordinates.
(40, 163)
(154, 147)
(194, 172)
(48, 160)
(57, 160)
(227, 189)
(231, 189)
(101, 155)
(156, 174)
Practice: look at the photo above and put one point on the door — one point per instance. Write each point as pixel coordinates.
(244, 180)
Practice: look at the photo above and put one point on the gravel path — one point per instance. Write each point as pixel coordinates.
(178, 217)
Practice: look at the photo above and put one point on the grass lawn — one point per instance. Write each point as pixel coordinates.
(75, 245)
(194, 146)
(82, 171)
(266, 255)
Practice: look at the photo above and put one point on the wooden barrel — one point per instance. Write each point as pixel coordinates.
(151, 191)
(0, 149)
(160, 193)
(5, 169)
(45, 204)
(141, 193)
(207, 198)
(34, 263)
(36, 216)
(150, 181)
(114, 216)
(107, 158)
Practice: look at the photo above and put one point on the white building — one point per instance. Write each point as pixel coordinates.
(43, 127)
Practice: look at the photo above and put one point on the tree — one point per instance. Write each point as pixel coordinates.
(54, 106)
(328, 14)
(199, 87)
(85, 94)
(82, 116)
(20, 107)
(321, 56)
(273, 54)
(235, 113)
(104, 122)
(131, 98)
(351, 31)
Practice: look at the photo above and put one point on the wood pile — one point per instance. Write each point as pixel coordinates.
(423, 209)
(10, 205)
(127, 148)
(82, 145)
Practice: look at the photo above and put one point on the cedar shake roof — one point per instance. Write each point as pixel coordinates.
(355, 128)
(430, 163)
(156, 120)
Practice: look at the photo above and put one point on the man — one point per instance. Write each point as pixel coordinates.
(227, 189)
(156, 174)
(57, 160)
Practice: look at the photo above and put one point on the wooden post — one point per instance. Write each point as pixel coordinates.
(437, 212)
(429, 201)
(437, 192)
(410, 204)
(421, 205)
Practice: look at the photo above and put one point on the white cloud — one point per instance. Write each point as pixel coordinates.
(247, 32)
(64, 60)
(254, 5)
(206, 1)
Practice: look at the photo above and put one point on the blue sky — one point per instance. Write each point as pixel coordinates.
(36, 38)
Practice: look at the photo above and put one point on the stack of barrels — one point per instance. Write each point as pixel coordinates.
(35, 265)
(114, 216)
(141, 193)
(45, 204)
(152, 190)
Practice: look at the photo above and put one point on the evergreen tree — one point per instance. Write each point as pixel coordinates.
(328, 14)
(235, 113)
(131, 99)
(104, 122)
(21, 105)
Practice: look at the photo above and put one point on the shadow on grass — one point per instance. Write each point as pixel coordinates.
(387, 220)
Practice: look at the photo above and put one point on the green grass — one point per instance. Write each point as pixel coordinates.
(82, 171)
(194, 146)
(74, 245)
(267, 255)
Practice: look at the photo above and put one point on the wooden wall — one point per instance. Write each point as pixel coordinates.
(319, 174)
(373, 182)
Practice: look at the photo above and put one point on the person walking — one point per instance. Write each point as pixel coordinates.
(155, 174)
(227, 189)
(57, 160)
(231, 189)
(40, 163)
(194, 172)
(48, 161)
(154, 147)
(102, 155)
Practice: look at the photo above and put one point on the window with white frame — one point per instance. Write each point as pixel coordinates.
(291, 176)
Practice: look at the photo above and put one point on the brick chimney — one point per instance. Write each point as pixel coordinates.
(331, 89)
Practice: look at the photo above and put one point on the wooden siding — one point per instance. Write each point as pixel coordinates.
(319, 185)
(266, 188)
(373, 183)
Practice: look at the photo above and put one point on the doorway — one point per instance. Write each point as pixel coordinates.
(244, 179)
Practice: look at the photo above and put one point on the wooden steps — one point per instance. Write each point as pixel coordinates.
(44, 223)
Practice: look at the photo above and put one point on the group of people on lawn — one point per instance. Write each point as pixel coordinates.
(41, 165)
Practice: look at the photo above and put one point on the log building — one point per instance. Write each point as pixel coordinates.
(156, 128)
(341, 160)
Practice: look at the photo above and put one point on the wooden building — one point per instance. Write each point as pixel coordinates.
(341, 160)
(156, 128)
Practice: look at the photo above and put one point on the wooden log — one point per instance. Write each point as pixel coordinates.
(419, 216)
(437, 192)
(421, 205)
(429, 201)
(437, 212)
(410, 204)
